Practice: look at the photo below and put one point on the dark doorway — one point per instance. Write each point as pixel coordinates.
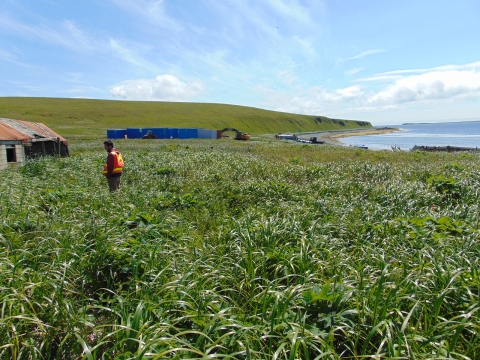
(11, 156)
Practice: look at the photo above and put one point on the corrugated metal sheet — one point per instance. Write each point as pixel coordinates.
(207, 134)
(188, 133)
(9, 133)
(133, 133)
(165, 133)
(116, 134)
(203, 133)
(172, 133)
(161, 133)
(25, 131)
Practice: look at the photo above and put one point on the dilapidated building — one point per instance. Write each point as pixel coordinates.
(20, 140)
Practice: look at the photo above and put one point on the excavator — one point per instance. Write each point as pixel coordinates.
(238, 134)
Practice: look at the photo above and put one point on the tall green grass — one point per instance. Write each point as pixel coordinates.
(82, 118)
(218, 249)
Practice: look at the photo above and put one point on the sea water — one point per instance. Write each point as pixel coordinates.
(463, 134)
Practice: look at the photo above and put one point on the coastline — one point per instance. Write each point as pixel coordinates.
(332, 137)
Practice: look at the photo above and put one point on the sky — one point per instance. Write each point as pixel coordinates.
(383, 61)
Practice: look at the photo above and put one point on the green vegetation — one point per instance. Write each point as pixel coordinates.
(83, 118)
(251, 250)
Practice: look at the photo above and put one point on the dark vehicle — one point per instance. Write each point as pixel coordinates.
(361, 146)
(150, 135)
(314, 140)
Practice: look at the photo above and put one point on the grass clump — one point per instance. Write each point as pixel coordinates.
(234, 250)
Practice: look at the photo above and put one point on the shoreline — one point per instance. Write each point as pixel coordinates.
(332, 137)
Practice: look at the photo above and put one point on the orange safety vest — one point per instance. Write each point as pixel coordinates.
(118, 163)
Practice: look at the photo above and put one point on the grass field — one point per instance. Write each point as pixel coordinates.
(81, 118)
(251, 250)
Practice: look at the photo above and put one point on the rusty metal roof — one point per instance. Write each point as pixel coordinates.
(25, 131)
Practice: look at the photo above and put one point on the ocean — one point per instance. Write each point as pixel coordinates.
(464, 134)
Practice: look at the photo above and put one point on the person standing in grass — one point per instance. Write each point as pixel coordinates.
(113, 167)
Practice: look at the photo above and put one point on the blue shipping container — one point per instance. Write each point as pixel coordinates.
(134, 133)
(116, 133)
(172, 133)
(192, 133)
(122, 133)
(160, 133)
(187, 133)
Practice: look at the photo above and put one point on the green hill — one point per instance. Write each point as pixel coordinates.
(84, 117)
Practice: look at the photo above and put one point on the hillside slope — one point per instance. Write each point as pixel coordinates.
(84, 117)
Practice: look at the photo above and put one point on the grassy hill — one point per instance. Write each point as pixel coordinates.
(84, 117)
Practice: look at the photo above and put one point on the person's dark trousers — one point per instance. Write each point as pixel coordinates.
(114, 183)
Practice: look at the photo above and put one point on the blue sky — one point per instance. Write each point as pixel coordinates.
(382, 61)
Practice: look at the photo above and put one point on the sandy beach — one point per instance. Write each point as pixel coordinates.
(332, 136)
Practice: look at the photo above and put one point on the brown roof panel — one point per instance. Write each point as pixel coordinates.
(9, 133)
(11, 129)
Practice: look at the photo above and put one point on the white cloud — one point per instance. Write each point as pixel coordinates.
(265, 22)
(77, 37)
(350, 92)
(153, 10)
(7, 56)
(313, 101)
(12, 58)
(83, 90)
(287, 76)
(132, 56)
(404, 88)
(398, 74)
(162, 88)
(432, 85)
(65, 34)
(364, 54)
(306, 44)
(353, 71)
(292, 10)
(31, 88)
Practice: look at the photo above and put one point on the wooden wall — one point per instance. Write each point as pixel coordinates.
(19, 155)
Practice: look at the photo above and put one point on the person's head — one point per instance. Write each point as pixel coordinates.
(108, 145)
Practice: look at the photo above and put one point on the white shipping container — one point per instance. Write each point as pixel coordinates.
(202, 133)
(207, 134)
